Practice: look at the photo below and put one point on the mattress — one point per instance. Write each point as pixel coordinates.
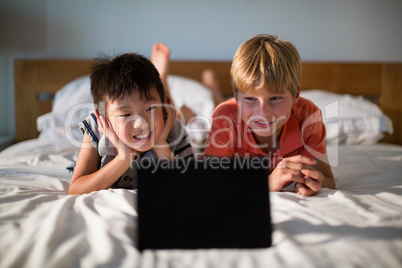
(358, 224)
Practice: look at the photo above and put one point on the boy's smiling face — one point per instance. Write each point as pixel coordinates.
(264, 112)
(138, 122)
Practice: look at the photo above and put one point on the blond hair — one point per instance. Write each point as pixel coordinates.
(266, 61)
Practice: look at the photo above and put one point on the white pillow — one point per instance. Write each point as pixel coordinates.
(75, 97)
(349, 119)
(193, 94)
(73, 103)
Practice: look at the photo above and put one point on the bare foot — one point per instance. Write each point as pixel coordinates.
(160, 57)
(210, 80)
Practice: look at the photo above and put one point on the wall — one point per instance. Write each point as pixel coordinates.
(343, 30)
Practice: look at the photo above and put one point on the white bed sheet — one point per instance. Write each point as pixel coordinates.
(357, 225)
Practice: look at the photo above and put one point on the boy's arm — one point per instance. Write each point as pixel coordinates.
(218, 146)
(162, 148)
(310, 175)
(220, 140)
(316, 177)
(319, 175)
(87, 176)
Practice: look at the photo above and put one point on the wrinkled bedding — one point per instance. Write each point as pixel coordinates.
(358, 224)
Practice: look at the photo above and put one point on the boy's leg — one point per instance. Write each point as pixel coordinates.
(210, 80)
(160, 57)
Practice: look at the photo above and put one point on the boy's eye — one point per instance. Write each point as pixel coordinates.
(125, 115)
(250, 99)
(150, 108)
(275, 98)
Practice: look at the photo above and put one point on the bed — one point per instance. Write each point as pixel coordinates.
(357, 225)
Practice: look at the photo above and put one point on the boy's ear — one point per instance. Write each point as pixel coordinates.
(234, 93)
(97, 113)
(297, 94)
(167, 100)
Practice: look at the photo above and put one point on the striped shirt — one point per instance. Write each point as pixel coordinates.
(178, 141)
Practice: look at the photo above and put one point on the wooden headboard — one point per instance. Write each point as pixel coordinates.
(380, 82)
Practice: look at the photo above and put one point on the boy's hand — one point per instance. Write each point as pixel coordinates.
(105, 128)
(169, 116)
(313, 180)
(297, 169)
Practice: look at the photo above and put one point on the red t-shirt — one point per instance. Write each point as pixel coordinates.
(302, 134)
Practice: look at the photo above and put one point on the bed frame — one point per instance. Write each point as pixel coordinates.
(36, 81)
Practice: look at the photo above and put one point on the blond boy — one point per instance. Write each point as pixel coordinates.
(267, 118)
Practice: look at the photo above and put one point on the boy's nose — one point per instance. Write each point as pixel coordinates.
(265, 109)
(140, 123)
